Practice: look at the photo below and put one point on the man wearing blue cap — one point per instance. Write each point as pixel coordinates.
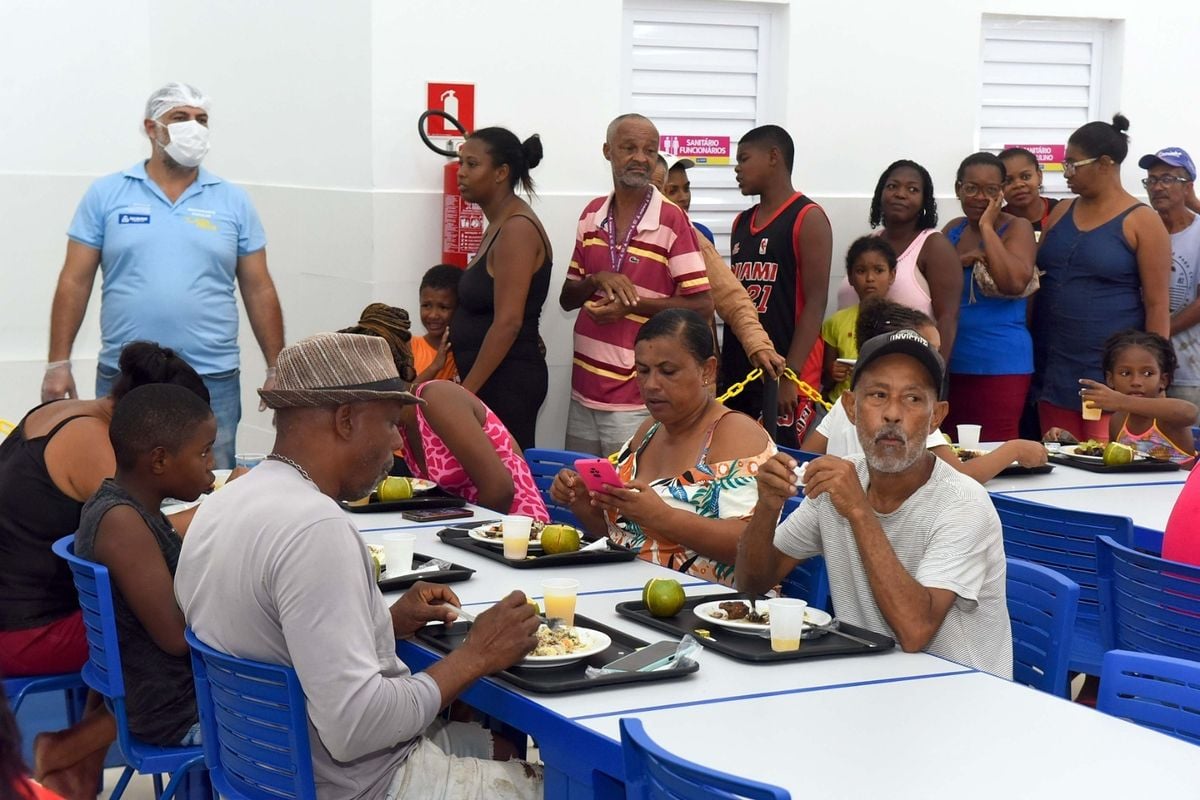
(1171, 184)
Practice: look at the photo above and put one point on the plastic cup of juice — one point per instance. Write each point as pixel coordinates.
(787, 623)
(558, 596)
(1091, 412)
(515, 532)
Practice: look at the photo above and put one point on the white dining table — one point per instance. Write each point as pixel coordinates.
(890, 724)
(967, 734)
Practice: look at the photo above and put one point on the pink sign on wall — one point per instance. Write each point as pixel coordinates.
(706, 151)
(1050, 156)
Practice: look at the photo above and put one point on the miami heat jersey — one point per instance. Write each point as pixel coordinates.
(765, 258)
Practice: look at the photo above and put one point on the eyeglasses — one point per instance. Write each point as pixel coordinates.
(1166, 181)
(1069, 167)
(974, 190)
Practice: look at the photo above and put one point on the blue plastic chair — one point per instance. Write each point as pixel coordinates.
(1065, 541)
(254, 725)
(651, 773)
(545, 464)
(1146, 603)
(1042, 606)
(103, 674)
(1157, 692)
(809, 582)
(18, 688)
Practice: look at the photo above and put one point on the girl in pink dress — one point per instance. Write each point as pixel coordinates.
(479, 462)
(454, 439)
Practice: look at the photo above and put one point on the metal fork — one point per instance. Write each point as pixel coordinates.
(553, 623)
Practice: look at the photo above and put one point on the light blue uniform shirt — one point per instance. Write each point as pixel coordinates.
(169, 269)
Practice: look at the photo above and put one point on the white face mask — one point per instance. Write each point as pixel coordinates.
(189, 142)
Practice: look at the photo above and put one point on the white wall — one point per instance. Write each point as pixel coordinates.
(315, 107)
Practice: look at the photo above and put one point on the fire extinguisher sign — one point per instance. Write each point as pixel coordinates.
(457, 100)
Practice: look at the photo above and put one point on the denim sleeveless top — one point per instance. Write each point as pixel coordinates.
(1091, 289)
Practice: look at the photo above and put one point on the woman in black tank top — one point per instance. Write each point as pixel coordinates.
(494, 332)
(57, 457)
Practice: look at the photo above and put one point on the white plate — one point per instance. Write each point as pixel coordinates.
(812, 616)
(595, 642)
(1069, 449)
(850, 362)
(479, 535)
(421, 485)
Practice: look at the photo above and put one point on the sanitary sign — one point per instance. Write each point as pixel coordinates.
(1050, 156)
(706, 151)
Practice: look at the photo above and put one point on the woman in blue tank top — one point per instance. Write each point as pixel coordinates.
(1107, 263)
(992, 358)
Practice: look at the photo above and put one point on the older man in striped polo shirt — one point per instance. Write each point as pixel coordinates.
(635, 255)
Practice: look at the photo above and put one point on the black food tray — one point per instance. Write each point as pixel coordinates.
(1140, 465)
(457, 536)
(411, 504)
(1017, 469)
(569, 677)
(749, 647)
(456, 573)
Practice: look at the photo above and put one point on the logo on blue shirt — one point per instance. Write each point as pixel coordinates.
(133, 219)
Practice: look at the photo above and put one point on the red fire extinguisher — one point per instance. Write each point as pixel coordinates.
(462, 221)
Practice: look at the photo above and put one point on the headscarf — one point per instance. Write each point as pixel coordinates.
(392, 325)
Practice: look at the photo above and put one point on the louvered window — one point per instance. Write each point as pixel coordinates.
(700, 72)
(1040, 80)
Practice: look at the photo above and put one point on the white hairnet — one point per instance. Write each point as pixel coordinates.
(174, 95)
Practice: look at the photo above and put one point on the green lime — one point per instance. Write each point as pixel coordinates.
(663, 597)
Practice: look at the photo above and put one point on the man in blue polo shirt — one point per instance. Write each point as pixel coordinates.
(171, 239)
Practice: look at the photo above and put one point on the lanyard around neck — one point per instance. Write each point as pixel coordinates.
(616, 253)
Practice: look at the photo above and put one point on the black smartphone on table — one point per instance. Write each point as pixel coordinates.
(436, 514)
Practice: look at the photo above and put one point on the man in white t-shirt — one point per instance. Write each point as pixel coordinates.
(913, 548)
(1171, 185)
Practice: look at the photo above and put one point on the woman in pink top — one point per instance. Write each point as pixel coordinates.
(928, 274)
(1181, 542)
(479, 462)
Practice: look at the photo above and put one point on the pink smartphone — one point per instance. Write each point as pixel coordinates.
(596, 473)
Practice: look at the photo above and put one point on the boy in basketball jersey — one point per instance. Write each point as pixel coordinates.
(780, 251)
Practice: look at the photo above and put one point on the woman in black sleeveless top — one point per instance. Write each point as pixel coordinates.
(57, 457)
(494, 332)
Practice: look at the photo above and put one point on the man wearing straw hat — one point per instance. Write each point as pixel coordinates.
(273, 570)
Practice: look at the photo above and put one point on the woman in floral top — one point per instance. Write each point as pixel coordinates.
(689, 472)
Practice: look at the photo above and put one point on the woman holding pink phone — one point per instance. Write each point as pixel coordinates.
(688, 475)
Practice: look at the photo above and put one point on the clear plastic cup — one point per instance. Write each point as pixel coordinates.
(398, 552)
(515, 533)
(968, 436)
(787, 623)
(1091, 412)
(249, 460)
(558, 597)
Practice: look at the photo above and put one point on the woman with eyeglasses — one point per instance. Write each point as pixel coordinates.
(1106, 264)
(992, 360)
(1023, 188)
(928, 277)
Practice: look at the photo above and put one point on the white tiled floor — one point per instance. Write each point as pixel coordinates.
(141, 787)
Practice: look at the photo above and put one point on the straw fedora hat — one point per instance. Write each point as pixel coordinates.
(329, 369)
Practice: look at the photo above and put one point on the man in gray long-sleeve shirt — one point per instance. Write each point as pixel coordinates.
(273, 570)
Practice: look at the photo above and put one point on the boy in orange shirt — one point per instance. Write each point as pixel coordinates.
(432, 358)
